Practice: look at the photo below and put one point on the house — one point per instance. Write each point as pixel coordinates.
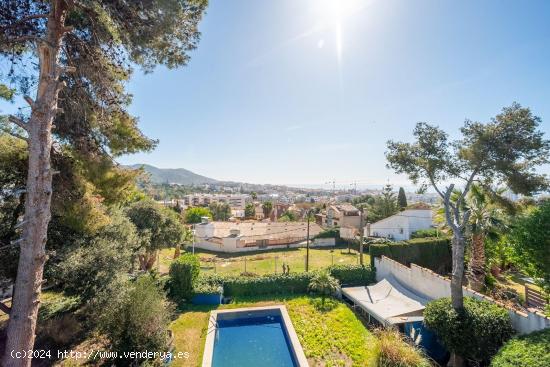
(340, 215)
(235, 201)
(251, 236)
(400, 226)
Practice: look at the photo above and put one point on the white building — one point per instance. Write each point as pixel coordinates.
(400, 226)
(235, 201)
(251, 236)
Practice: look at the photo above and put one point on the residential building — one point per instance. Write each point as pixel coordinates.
(340, 215)
(400, 226)
(250, 236)
(235, 201)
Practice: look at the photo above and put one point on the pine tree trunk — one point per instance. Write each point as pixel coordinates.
(28, 285)
(476, 274)
(458, 245)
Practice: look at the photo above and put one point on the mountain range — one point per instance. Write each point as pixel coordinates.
(179, 176)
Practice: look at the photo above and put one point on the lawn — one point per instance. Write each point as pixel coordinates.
(335, 337)
(267, 262)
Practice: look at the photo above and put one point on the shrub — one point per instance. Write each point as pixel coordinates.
(530, 350)
(267, 284)
(353, 275)
(393, 351)
(138, 320)
(323, 284)
(431, 253)
(294, 283)
(329, 233)
(476, 333)
(424, 233)
(184, 272)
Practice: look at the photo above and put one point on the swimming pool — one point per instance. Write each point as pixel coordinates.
(247, 337)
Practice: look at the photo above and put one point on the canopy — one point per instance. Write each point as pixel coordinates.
(388, 301)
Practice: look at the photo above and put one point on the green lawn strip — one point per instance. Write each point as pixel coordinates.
(267, 262)
(335, 337)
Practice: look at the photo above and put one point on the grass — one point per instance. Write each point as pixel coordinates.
(267, 262)
(332, 337)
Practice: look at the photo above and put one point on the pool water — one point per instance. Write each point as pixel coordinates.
(251, 342)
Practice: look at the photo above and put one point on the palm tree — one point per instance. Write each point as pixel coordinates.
(267, 208)
(485, 224)
(323, 284)
(487, 210)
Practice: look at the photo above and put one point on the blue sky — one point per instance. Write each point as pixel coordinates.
(306, 91)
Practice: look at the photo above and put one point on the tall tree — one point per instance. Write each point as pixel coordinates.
(249, 211)
(402, 198)
(220, 211)
(157, 227)
(83, 51)
(504, 151)
(267, 207)
(486, 223)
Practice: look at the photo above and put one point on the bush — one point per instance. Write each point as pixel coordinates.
(294, 283)
(138, 319)
(353, 275)
(184, 272)
(329, 233)
(476, 333)
(530, 350)
(431, 253)
(425, 233)
(323, 284)
(393, 351)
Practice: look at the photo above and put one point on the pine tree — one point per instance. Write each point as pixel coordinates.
(402, 198)
(83, 51)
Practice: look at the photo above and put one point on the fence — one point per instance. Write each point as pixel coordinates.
(534, 297)
(433, 286)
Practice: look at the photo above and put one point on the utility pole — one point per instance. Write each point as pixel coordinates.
(361, 236)
(307, 241)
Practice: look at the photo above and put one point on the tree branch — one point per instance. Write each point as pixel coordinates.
(14, 134)
(4, 308)
(432, 181)
(29, 101)
(467, 187)
(24, 20)
(18, 122)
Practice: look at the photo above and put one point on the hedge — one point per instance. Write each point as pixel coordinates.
(184, 272)
(476, 333)
(294, 283)
(532, 350)
(431, 253)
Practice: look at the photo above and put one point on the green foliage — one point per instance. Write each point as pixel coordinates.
(323, 284)
(383, 206)
(99, 261)
(267, 207)
(475, 333)
(293, 283)
(431, 253)
(137, 319)
(353, 275)
(288, 217)
(530, 350)
(530, 240)
(184, 272)
(249, 211)
(194, 215)
(220, 211)
(394, 351)
(329, 233)
(402, 198)
(424, 233)
(157, 226)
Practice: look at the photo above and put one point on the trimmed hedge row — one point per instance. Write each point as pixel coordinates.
(294, 283)
(431, 253)
(532, 350)
(476, 333)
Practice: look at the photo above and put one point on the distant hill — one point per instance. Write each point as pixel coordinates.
(173, 175)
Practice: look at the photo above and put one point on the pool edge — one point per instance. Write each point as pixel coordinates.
(293, 337)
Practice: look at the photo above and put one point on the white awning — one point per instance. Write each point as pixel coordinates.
(388, 301)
